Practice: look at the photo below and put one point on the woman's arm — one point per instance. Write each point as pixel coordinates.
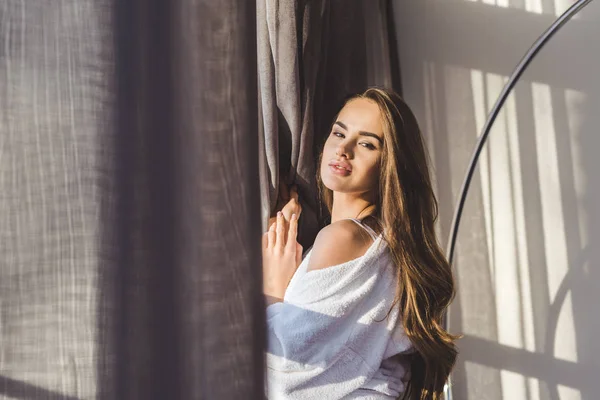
(338, 243)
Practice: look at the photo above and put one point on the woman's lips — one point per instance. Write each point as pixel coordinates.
(339, 171)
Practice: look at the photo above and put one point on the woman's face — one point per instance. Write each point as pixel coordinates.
(356, 144)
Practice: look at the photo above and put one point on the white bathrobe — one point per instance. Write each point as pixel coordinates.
(329, 338)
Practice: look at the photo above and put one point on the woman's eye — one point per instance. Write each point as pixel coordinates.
(366, 145)
(369, 146)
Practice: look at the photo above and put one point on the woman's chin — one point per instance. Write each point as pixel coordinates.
(331, 183)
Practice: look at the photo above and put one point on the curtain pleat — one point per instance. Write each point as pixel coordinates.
(219, 201)
(187, 310)
(56, 102)
(289, 57)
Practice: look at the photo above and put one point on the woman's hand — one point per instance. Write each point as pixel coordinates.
(287, 202)
(281, 256)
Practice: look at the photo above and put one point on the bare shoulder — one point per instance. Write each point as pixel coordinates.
(338, 243)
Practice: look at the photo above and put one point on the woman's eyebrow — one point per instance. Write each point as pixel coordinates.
(361, 133)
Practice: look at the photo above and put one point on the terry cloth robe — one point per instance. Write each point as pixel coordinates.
(330, 338)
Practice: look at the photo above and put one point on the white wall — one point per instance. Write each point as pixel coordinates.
(528, 263)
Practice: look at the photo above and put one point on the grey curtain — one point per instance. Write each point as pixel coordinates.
(56, 102)
(311, 55)
(127, 161)
(132, 136)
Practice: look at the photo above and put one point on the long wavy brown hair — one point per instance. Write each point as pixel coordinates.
(406, 210)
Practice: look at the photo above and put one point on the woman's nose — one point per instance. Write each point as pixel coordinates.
(341, 150)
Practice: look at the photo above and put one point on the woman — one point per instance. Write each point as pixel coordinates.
(360, 315)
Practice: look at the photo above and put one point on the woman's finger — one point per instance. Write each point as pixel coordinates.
(292, 207)
(271, 235)
(280, 233)
(294, 192)
(298, 253)
(294, 196)
(289, 209)
(292, 232)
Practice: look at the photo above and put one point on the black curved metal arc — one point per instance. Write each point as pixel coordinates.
(518, 71)
(521, 67)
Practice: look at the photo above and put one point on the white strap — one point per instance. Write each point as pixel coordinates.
(367, 228)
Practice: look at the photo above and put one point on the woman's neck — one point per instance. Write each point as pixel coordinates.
(347, 206)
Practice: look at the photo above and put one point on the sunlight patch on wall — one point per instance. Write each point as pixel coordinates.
(560, 6)
(480, 112)
(522, 250)
(501, 224)
(509, 312)
(564, 341)
(552, 209)
(513, 385)
(428, 125)
(575, 102)
(568, 393)
(552, 215)
(556, 8)
(504, 213)
(534, 6)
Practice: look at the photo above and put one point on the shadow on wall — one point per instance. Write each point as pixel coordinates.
(527, 262)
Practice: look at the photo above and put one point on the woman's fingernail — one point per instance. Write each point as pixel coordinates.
(293, 216)
(279, 213)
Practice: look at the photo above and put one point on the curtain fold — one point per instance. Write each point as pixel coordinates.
(56, 102)
(289, 56)
(187, 311)
(219, 232)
